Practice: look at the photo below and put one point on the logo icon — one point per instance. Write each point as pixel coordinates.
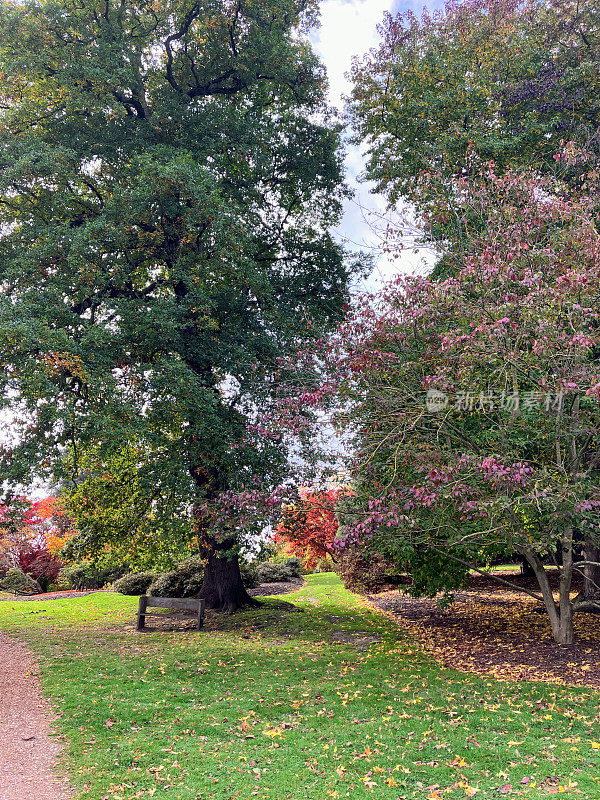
(436, 401)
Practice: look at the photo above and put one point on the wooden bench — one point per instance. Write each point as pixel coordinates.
(177, 603)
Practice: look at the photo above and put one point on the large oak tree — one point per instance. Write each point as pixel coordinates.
(168, 181)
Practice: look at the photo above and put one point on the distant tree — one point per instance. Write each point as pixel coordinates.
(169, 178)
(308, 528)
(25, 523)
(28, 530)
(40, 564)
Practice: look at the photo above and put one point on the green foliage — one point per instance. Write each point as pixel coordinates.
(135, 583)
(511, 82)
(110, 572)
(294, 567)
(85, 575)
(272, 572)
(18, 582)
(169, 177)
(78, 576)
(249, 571)
(120, 518)
(185, 581)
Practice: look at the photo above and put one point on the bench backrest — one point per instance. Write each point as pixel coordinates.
(189, 604)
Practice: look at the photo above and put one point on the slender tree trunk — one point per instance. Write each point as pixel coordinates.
(566, 633)
(223, 588)
(561, 615)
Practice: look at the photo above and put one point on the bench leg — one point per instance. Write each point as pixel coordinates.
(141, 618)
(201, 614)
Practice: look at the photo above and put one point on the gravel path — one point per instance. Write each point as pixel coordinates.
(11, 598)
(27, 752)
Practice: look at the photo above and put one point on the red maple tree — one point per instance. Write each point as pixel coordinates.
(31, 535)
(308, 528)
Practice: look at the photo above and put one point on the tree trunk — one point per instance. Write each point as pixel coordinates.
(527, 571)
(561, 615)
(566, 633)
(591, 581)
(223, 588)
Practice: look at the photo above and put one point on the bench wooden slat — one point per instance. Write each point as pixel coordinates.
(178, 603)
(190, 603)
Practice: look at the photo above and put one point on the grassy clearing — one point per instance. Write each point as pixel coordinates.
(276, 704)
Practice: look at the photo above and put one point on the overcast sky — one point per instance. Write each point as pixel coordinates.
(349, 28)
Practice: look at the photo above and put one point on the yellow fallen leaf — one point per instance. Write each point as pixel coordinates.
(272, 732)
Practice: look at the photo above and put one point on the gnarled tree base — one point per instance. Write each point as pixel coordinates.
(223, 588)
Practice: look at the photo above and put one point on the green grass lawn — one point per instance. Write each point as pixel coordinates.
(276, 704)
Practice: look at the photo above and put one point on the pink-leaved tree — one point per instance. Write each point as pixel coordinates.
(474, 401)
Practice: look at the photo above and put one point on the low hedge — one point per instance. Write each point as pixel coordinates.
(135, 583)
(17, 582)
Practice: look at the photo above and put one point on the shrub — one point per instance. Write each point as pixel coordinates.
(19, 582)
(62, 583)
(135, 583)
(176, 584)
(111, 574)
(268, 572)
(249, 571)
(86, 576)
(78, 576)
(185, 581)
(294, 565)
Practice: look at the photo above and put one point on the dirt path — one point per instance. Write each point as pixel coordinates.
(27, 752)
(11, 598)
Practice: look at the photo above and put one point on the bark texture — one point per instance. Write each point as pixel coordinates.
(561, 613)
(223, 588)
(591, 572)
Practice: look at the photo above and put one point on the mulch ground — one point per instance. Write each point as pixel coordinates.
(281, 587)
(494, 631)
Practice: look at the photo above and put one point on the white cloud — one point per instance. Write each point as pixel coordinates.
(348, 29)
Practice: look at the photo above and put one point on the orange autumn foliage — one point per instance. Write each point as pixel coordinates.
(308, 528)
(43, 525)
